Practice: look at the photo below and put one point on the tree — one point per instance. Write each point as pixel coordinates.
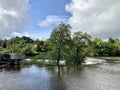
(112, 47)
(60, 36)
(81, 42)
(105, 48)
(117, 45)
(4, 44)
(27, 50)
(40, 46)
(98, 46)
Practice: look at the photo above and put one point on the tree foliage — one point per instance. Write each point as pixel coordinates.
(60, 37)
(81, 43)
(62, 45)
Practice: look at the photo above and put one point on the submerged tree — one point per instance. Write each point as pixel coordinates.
(60, 37)
(81, 43)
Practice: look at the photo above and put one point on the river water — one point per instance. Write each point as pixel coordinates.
(105, 76)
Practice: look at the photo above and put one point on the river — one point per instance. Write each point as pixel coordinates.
(105, 76)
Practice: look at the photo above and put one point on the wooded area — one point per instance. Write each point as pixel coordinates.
(62, 44)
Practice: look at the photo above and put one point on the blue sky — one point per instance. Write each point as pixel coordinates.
(39, 10)
(37, 18)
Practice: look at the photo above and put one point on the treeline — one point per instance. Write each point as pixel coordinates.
(62, 44)
(111, 47)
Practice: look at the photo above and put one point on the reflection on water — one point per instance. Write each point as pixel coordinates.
(10, 69)
(36, 77)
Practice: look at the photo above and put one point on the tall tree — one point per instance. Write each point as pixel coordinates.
(81, 41)
(60, 37)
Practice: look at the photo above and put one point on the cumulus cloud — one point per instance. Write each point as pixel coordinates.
(27, 34)
(52, 19)
(13, 16)
(100, 18)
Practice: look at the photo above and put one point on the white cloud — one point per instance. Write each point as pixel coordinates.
(27, 34)
(100, 18)
(52, 19)
(13, 16)
(17, 34)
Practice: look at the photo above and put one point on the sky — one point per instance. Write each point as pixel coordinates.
(37, 18)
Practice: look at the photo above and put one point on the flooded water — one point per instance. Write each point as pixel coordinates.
(104, 76)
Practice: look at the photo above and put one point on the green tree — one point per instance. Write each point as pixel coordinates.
(112, 47)
(81, 43)
(40, 46)
(60, 36)
(27, 50)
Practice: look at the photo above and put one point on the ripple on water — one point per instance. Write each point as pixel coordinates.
(95, 77)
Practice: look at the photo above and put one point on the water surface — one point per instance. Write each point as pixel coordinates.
(36, 77)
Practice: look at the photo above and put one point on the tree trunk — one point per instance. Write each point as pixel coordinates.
(77, 56)
(58, 59)
(58, 56)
